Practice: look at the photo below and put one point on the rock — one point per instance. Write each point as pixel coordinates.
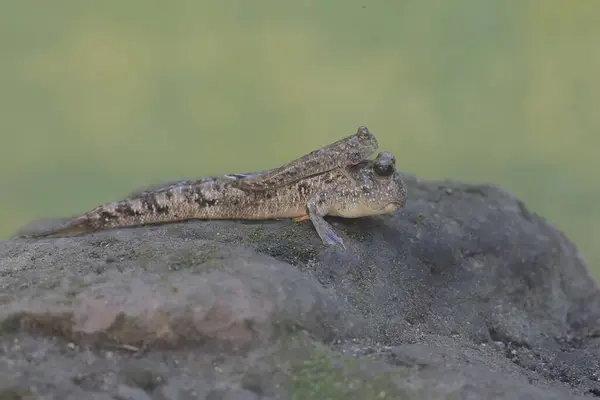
(463, 294)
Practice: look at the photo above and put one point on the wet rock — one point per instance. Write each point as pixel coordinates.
(463, 293)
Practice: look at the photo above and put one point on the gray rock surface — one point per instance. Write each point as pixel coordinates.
(465, 294)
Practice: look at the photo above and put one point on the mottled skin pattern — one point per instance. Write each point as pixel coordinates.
(371, 187)
(350, 150)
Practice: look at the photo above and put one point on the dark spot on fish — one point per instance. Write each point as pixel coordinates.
(107, 216)
(152, 205)
(161, 209)
(203, 201)
(268, 194)
(125, 209)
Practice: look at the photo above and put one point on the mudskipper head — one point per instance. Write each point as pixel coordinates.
(380, 188)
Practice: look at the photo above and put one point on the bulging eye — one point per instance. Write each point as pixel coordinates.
(384, 155)
(383, 168)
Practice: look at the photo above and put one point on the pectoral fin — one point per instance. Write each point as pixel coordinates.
(318, 207)
(301, 218)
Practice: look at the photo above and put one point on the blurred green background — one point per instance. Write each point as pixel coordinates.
(99, 98)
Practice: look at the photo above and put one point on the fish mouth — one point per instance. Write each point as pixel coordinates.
(397, 203)
(391, 206)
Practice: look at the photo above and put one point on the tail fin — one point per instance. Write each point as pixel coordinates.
(54, 228)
